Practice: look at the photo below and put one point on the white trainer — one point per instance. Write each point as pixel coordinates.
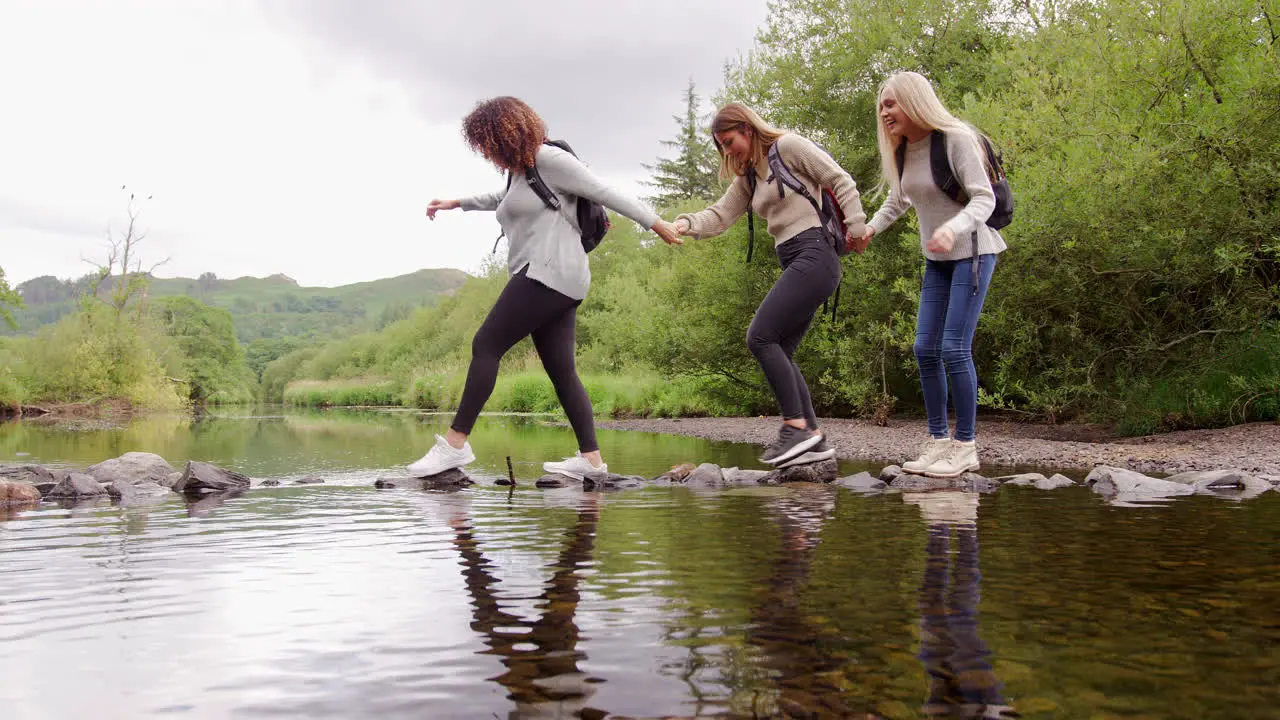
(442, 456)
(961, 458)
(575, 467)
(930, 452)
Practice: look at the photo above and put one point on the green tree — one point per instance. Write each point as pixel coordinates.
(213, 363)
(8, 297)
(693, 173)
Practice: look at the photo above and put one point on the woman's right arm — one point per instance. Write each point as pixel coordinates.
(717, 218)
(487, 201)
(892, 209)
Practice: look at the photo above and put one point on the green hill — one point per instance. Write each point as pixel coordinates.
(270, 308)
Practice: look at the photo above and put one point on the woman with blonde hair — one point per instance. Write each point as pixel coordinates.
(549, 275)
(960, 251)
(808, 256)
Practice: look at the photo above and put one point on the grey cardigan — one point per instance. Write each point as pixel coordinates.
(934, 209)
(546, 241)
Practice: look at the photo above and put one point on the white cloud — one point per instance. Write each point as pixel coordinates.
(308, 141)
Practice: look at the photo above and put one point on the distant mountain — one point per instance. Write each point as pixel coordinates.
(271, 307)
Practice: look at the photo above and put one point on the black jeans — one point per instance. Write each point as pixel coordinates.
(527, 307)
(810, 273)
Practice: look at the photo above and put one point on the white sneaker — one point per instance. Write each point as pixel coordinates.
(575, 467)
(930, 452)
(961, 458)
(442, 456)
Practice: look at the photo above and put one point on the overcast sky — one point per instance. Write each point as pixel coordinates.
(305, 137)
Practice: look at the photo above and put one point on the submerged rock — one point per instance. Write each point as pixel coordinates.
(1021, 479)
(308, 480)
(452, 478)
(705, 475)
(1229, 483)
(202, 477)
(1054, 481)
(127, 493)
(862, 482)
(610, 481)
(134, 468)
(972, 482)
(676, 474)
(383, 483)
(555, 480)
(735, 476)
(1121, 485)
(824, 471)
(75, 486)
(269, 483)
(14, 493)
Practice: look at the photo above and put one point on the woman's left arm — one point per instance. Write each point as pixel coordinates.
(805, 157)
(564, 172)
(971, 172)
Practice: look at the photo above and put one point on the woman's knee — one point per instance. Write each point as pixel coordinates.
(926, 351)
(956, 351)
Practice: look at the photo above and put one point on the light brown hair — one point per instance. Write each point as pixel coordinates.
(736, 116)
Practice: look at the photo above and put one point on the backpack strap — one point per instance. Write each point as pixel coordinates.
(502, 234)
(779, 171)
(940, 164)
(751, 213)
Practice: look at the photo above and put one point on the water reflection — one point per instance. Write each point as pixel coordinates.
(961, 681)
(541, 657)
(802, 657)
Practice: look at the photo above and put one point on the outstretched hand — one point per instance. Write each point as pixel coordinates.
(436, 206)
(669, 232)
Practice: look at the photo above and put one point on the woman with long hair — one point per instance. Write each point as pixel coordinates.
(549, 275)
(809, 259)
(960, 252)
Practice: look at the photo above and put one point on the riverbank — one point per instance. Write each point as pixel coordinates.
(1254, 447)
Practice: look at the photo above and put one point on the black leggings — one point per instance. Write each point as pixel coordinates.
(527, 307)
(810, 273)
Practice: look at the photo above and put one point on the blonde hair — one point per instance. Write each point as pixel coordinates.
(920, 103)
(736, 116)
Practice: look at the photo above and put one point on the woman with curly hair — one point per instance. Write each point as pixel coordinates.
(810, 263)
(549, 275)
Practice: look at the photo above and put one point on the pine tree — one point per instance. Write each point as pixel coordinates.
(693, 173)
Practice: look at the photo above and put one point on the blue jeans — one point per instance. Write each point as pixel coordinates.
(945, 325)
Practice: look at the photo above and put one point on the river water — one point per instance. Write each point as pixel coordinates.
(345, 601)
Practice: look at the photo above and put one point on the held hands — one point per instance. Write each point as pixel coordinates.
(436, 206)
(858, 243)
(943, 241)
(669, 232)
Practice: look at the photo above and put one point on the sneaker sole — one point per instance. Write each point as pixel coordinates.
(580, 477)
(807, 458)
(941, 476)
(794, 450)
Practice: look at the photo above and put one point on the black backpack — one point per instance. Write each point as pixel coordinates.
(593, 221)
(945, 178)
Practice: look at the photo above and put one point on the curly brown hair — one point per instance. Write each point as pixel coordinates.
(506, 131)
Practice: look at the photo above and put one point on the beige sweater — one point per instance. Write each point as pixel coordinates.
(791, 214)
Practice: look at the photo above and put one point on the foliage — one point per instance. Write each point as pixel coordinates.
(213, 364)
(8, 298)
(694, 172)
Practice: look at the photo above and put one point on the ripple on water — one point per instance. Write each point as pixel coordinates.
(343, 600)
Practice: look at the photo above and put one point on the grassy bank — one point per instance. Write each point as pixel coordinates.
(529, 391)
